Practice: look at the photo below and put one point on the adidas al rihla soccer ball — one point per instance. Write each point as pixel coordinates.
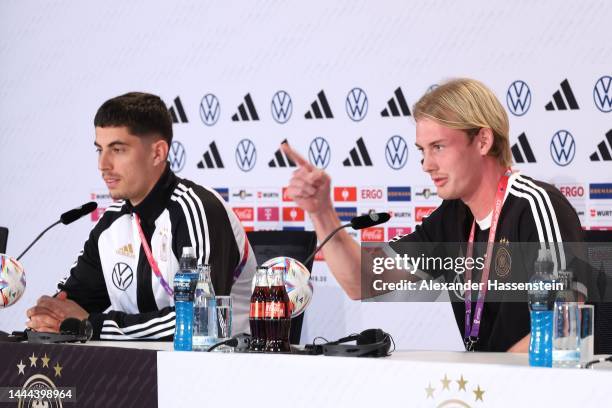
(12, 281)
(297, 282)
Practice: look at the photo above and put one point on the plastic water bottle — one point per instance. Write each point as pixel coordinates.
(541, 312)
(184, 288)
(205, 312)
(566, 335)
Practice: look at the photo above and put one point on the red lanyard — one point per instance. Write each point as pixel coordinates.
(472, 329)
(149, 254)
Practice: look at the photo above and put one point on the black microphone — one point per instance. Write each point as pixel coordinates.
(357, 223)
(71, 330)
(76, 213)
(369, 220)
(66, 218)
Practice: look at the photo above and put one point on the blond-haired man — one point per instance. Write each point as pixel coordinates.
(462, 132)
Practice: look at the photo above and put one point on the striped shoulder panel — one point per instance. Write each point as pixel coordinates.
(544, 215)
(117, 206)
(197, 224)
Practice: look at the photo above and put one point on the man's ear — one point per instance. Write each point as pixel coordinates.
(160, 151)
(485, 139)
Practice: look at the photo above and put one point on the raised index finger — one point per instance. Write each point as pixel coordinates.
(296, 157)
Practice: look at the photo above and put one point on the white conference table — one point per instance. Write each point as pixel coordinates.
(406, 379)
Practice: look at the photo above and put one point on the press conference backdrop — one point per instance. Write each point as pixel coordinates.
(335, 79)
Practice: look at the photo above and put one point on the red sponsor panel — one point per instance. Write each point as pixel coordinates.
(572, 191)
(374, 234)
(244, 213)
(293, 214)
(371, 194)
(345, 193)
(248, 228)
(286, 194)
(393, 232)
(268, 214)
(422, 212)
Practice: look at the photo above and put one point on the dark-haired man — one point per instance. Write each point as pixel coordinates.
(122, 280)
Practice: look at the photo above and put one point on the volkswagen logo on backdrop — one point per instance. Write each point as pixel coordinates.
(518, 98)
(356, 104)
(319, 153)
(562, 148)
(210, 110)
(282, 107)
(246, 155)
(177, 156)
(396, 152)
(602, 94)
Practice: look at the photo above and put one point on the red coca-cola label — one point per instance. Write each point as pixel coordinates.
(275, 310)
(373, 234)
(422, 212)
(258, 310)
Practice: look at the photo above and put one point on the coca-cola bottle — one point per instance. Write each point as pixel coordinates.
(278, 313)
(258, 310)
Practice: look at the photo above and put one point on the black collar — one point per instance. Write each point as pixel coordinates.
(154, 203)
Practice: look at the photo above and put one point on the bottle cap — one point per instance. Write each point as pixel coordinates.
(188, 252)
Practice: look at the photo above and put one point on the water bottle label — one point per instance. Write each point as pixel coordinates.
(184, 288)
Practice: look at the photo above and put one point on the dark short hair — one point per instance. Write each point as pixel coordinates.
(142, 113)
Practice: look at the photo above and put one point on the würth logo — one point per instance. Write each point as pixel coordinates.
(280, 159)
(246, 110)
(319, 109)
(396, 106)
(177, 113)
(603, 150)
(211, 159)
(563, 99)
(358, 156)
(521, 151)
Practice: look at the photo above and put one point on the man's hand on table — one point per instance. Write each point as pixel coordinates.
(49, 313)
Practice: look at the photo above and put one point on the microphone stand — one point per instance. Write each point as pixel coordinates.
(37, 238)
(330, 236)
